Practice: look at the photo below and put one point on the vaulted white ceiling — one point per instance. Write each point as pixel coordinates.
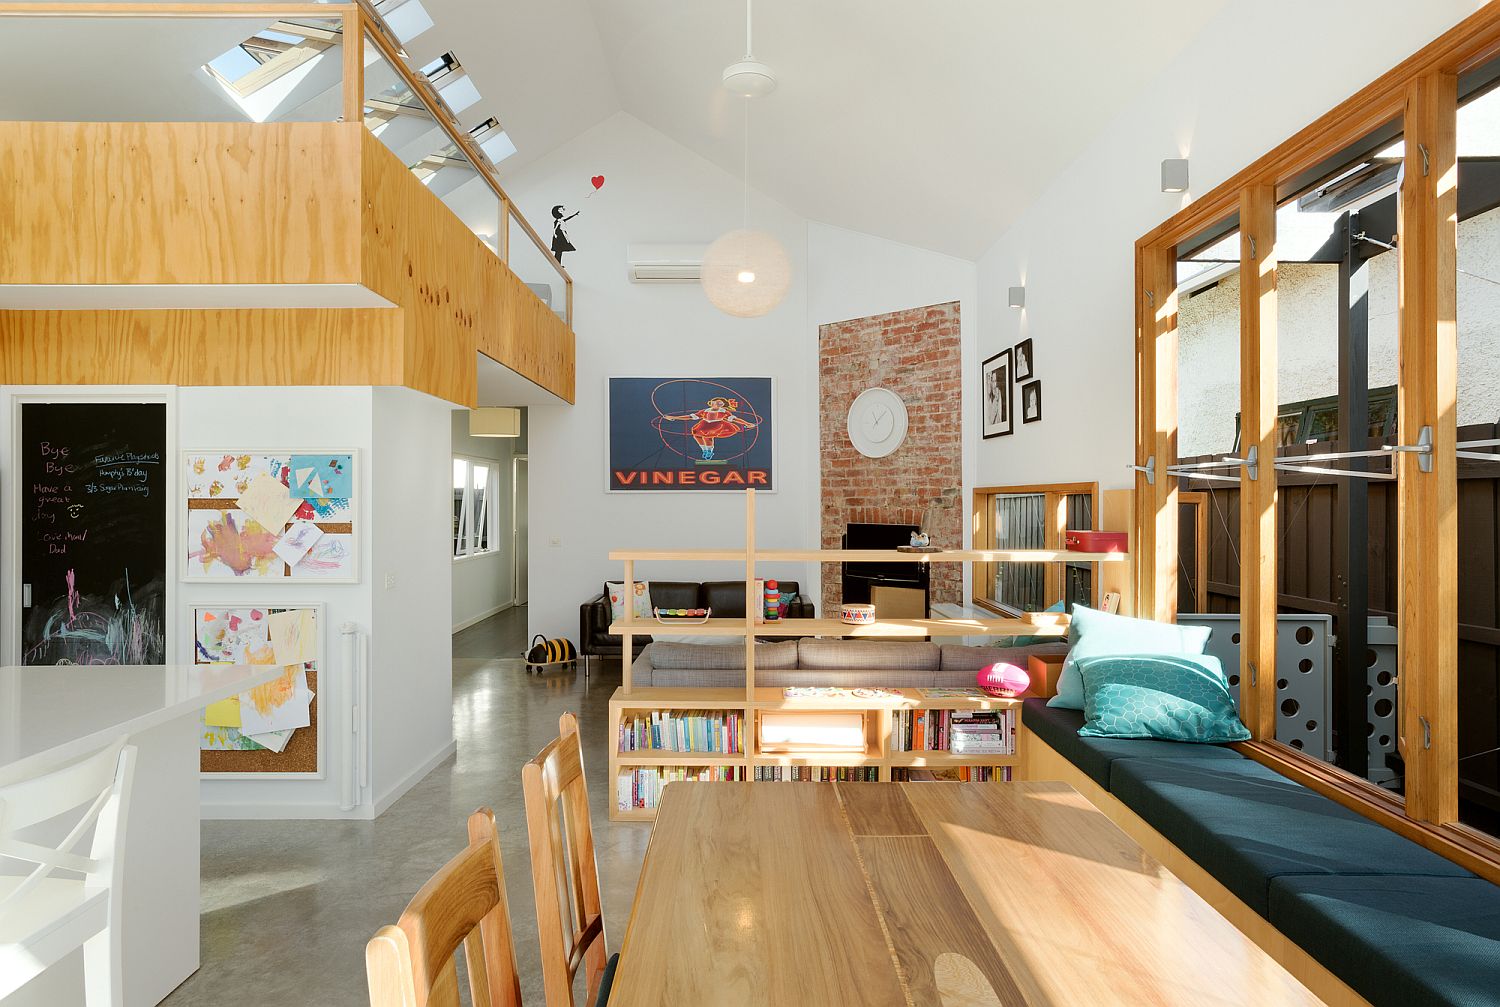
(933, 123)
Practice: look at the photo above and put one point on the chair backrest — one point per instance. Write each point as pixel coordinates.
(412, 964)
(98, 786)
(569, 912)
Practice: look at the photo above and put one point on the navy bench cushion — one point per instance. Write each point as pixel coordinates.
(1245, 824)
(1058, 728)
(1398, 940)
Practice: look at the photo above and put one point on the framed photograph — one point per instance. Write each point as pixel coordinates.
(271, 515)
(690, 435)
(1031, 402)
(996, 380)
(1025, 365)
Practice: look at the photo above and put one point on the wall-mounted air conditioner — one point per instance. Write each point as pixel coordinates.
(661, 263)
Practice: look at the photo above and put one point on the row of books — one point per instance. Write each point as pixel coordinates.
(818, 774)
(714, 731)
(961, 774)
(962, 732)
(641, 788)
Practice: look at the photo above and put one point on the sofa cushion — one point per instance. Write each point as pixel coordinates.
(1059, 730)
(720, 657)
(1246, 824)
(1397, 940)
(1182, 697)
(954, 657)
(866, 655)
(1091, 634)
(674, 594)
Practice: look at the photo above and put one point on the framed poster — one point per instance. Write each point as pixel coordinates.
(271, 515)
(690, 435)
(996, 380)
(273, 730)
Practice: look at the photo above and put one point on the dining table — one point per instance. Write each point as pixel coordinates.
(949, 894)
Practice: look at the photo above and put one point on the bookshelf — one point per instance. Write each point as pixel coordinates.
(879, 755)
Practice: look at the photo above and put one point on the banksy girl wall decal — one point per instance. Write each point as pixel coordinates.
(560, 242)
(716, 419)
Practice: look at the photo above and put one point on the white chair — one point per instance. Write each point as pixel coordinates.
(44, 917)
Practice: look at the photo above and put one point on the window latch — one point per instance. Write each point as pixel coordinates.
(1254, 676)
(1426, 733)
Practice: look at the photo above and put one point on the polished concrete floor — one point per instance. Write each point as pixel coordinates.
(288, 906)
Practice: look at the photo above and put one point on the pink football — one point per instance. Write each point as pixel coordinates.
(1005, 680)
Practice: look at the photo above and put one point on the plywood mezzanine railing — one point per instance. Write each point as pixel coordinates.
(347, 269)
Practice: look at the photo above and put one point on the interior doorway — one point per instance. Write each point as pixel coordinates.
(518, 526)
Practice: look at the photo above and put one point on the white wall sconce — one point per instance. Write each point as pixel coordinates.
(1174, 175)
(502, 421)
(1018, 297)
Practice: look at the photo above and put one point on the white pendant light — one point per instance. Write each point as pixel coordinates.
(746, 272)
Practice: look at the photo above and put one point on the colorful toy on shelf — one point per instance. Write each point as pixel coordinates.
(772, 601)
(857, 615)
(1004, 680)
(681, 616)
(1096, 541)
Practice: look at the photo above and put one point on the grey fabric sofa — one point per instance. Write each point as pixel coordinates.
(845, 663)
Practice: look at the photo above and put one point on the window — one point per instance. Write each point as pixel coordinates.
(475, 483)
(1032, 517)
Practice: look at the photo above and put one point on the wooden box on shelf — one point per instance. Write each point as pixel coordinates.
(1044, 669)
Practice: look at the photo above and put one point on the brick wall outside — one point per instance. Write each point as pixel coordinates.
(916, 354)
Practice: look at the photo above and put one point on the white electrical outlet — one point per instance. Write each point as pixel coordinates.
(555, 542)
(390, 580)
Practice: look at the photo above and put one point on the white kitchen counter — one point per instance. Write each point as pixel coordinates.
(57, 712)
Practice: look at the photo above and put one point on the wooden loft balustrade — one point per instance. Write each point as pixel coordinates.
(158, 237)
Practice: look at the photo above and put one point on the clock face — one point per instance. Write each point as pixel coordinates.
(877, 422)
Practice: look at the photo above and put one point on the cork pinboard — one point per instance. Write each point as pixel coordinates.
(224, 753)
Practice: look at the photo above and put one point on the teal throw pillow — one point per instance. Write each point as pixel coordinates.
(1164, 696)
(1099, 634)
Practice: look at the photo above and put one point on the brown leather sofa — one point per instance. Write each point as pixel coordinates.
(725, 597)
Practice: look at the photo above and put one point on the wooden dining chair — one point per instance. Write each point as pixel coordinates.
(413, 964)
(569, 911)
(44, 916)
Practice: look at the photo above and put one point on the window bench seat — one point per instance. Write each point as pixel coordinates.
(1355, 911)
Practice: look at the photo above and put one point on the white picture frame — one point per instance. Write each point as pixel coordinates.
(189, 535)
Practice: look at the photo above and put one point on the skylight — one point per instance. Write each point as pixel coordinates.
(405, 18)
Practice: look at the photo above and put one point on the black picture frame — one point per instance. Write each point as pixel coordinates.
(1025, 362)
(1031, 402)
(997, 414)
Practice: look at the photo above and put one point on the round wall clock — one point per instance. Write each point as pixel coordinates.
(877, 422)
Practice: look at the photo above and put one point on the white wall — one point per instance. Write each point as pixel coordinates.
(485, 584)
(403, 474)
(657, 191)
(1073, 249)
(228, 418)
(409, 577)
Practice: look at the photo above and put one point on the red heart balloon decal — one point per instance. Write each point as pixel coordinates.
(598, 181)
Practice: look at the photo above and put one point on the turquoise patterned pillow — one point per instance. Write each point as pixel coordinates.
(1171, 697)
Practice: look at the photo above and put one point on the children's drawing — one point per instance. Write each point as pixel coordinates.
(258, 515)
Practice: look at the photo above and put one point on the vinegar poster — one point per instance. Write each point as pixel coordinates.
(690, 435)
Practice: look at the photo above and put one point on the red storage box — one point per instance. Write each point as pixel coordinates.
(1097, 541)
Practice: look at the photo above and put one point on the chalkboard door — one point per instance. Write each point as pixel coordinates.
(93, 532)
